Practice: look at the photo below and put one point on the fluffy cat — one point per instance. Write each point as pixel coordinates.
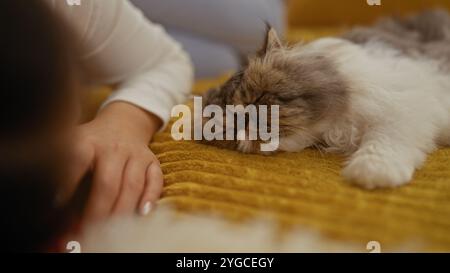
(379, 95)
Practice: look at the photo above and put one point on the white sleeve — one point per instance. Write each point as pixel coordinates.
(121, 46)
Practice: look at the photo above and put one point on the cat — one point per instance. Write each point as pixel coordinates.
(379, 95)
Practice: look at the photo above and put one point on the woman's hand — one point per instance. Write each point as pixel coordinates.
(127, 177)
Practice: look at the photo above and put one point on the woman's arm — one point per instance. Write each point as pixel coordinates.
(153, 74)
(120, 46)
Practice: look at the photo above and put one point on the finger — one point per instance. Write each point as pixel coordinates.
(132, 186)
(153, 188)
(106, 186)
(80, 164)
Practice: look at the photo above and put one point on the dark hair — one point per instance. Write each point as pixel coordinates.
(36, 66)
(36, 70)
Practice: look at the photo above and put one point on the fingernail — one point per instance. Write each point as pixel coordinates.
(146, 209)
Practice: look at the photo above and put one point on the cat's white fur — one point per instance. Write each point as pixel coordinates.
(168, 232)
(399, 112)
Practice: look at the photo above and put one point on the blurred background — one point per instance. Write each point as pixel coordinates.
(348, 12)
(309, 19)
(220, 34)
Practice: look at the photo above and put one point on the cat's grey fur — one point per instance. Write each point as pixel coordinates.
(426, 34)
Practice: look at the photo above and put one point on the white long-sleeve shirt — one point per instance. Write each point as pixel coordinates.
(153, 71)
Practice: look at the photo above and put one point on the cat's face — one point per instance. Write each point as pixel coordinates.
(304, 83)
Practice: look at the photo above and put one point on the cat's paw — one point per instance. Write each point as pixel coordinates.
(371, 171)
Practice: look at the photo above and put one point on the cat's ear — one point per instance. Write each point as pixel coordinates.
(271, 42)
